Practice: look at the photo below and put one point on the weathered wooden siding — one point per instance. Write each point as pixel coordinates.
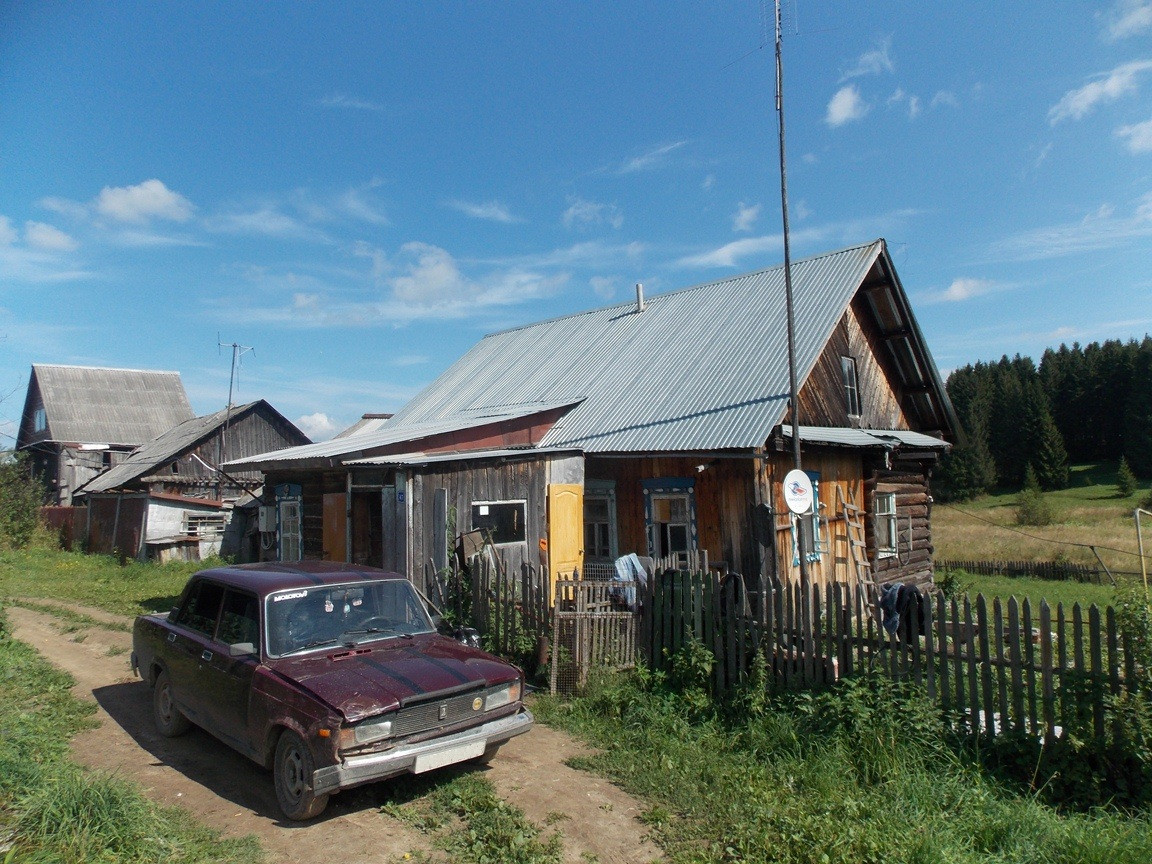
(913, 561)
(725, 499)
(466, 482)
(822, 400)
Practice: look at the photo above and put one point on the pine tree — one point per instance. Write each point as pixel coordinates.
(1138, 413)
(1125, 479)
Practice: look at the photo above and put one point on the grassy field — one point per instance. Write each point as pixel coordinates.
(1089, 512)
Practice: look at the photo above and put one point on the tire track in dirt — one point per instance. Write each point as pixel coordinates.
(230, 793)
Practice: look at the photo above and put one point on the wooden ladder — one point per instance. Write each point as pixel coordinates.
(858, 563)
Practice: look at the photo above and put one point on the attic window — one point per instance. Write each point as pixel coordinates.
(39, 420)
(176, 467)
(851, 386)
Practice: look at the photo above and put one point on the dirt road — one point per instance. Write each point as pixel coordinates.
(228, 792)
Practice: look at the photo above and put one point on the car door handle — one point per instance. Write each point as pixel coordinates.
(206, 655)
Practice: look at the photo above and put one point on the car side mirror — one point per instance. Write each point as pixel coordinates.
(469, 636)
(241, 648)
(172, 613)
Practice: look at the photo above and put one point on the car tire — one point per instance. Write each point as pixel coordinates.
(170, 721)
(292, 774)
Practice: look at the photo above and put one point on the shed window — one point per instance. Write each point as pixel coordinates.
(506, 520)
(670, 514)
(806, 533)
(599, 520)
(851, 386)
(290, 528)
(39, 419)
(203, 524)
(884, 523)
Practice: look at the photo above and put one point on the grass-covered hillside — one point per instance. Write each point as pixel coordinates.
(1090, 512)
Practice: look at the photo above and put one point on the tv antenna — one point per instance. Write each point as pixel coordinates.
(238, 351)
(802, 553)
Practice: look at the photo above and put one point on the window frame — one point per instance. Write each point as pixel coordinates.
(497, 541)
(670, 488)
(850, 378)
(289, 540)
(885, 525)
(602, 490)
(813, 521)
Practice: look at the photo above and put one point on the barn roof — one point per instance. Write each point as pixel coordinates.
(86, 405)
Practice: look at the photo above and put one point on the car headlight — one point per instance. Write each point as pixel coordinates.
(504, 696)
(373, 729)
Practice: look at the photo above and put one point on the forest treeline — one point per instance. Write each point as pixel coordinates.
(1082, 404)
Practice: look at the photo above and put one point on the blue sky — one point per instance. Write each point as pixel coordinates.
(359, 192)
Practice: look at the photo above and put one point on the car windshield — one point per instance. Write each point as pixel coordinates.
(311, 617)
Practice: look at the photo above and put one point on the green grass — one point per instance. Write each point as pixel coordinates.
(469, 822)
(53, 811)
(1089, 512)
(860, 775)
(1054, 591)
(94, 580)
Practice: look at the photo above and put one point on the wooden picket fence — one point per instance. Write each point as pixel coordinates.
(994, 667)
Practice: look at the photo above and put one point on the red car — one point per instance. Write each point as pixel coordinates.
(332, 675)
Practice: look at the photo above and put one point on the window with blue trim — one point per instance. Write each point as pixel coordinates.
(806, 528)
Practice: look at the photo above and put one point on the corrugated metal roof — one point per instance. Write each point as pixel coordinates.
(163, 449)
(460, 456)
(837, 436)
(86, 405)
(701, 368)
(387, 435)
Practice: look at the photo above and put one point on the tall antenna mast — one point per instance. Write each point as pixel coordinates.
(788, 284)
(238, 351)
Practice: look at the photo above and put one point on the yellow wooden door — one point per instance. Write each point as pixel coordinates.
(335, 526)
(565, 529)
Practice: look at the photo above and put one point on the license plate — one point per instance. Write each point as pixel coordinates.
(449, 756)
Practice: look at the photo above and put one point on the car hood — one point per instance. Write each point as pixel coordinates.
(380, 676)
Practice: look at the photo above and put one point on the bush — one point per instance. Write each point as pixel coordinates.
(1125, 479)
(21, 497)
(1032, 508)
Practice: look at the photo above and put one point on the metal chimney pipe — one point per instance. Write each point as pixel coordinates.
(639, 296)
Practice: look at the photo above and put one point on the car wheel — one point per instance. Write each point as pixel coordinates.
(292, 772)
(169, 720)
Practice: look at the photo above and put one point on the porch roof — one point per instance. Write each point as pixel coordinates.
(888, 439)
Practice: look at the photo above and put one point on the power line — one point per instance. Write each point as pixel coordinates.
(1089, 546)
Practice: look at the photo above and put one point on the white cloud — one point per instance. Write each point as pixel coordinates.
(342, 100)
(581, 213)
(966, 289)
(1078, 103)
(493, 211)
(603, 286)
(1097, 230)
(407, 360)
(39, 235)
(709, 182)
(355, 204)
(143, 202)
(845, 106)
(653, 159)
(874, 62)
(911, 103)
(1128, 18)
(266, 220)
(731, 254)
(8, 234)
(72, 209)
(318, 426)
(745, 216)
(1138, 135)
(944, 97)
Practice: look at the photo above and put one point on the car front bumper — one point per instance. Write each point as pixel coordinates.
(424, 756)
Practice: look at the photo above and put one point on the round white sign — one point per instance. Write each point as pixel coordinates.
(798, 491)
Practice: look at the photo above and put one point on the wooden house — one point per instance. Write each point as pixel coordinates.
(660, 427)
(169, 498)
(80, 421)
